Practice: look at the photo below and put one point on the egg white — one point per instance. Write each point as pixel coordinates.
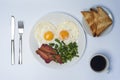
(41, 28)
(71, 28)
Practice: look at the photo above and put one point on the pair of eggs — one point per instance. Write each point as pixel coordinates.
(46, 32)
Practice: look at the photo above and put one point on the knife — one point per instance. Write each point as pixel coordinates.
(12, 40)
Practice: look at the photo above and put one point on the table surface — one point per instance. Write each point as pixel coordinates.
(30, 11)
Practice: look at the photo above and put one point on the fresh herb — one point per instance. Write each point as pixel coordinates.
(66, 51)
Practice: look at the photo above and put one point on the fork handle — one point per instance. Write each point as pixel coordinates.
(20, 50)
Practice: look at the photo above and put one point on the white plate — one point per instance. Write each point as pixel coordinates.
(56, 18)
(87, 28)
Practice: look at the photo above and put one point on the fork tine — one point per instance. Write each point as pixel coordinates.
(20, 27)
(20, 24)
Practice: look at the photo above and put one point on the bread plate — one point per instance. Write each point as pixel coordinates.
(105, 32)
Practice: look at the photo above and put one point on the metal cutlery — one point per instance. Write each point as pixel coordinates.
(12, 40)
(20, 29)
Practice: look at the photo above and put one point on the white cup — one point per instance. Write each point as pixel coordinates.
(106, 68)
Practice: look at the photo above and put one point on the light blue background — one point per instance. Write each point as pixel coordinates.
(30, 11)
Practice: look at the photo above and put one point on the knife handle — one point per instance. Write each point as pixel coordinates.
(12, 52)
(20, 50)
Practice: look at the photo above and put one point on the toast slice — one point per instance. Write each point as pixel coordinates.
(104, 21)
(89, 18)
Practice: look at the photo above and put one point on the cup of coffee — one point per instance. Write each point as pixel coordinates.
(99, 63)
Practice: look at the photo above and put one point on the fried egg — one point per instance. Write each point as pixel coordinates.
(45, 32)
(68, 31)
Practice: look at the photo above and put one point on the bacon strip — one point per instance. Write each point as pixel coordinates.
(58, 58)
(48, 54)
(44, 56)
(47, 49)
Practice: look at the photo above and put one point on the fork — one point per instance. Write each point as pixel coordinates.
(20, 29)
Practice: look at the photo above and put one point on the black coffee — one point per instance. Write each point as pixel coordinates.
(98, 63)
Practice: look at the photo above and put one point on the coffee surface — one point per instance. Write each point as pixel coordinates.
(98, 63)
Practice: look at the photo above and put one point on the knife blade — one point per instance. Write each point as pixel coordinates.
(12, 27)
(12, 40)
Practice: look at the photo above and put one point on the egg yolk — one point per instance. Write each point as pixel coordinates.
(64, 34)
(48, 36)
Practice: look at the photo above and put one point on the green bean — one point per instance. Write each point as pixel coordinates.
(66, 51)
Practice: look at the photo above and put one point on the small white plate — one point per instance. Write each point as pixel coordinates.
(56, 18)
(87, 28)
